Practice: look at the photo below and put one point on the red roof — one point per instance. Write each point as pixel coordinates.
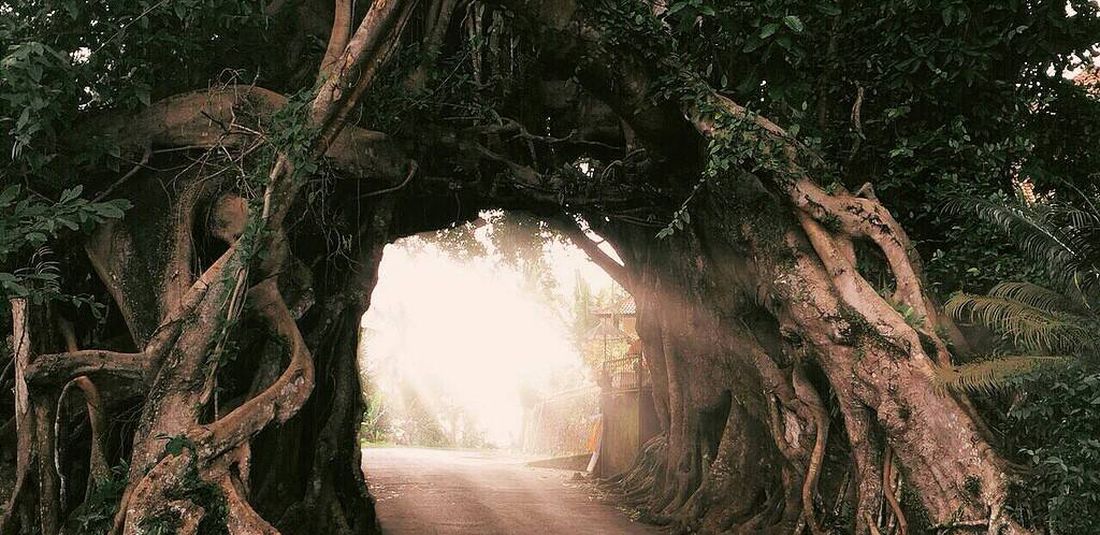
(625, 307)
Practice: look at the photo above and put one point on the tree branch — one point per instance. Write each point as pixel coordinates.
(610, 266)
(355, 68)
(338, 38)
(56, 369)
(208, 118)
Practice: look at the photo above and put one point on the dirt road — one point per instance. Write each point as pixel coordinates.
(425, 491)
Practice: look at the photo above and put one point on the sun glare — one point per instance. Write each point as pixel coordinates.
(466, 340)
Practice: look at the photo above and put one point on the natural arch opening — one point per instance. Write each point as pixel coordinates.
(471, 327)
(498, 362)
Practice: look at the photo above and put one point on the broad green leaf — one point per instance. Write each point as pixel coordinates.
(9, 194)
(793, 22)
(71, 193)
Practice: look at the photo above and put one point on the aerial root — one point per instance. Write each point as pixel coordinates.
(242, 518)
(217, 447)
(888, 490)
(809, 395)
(97, 415)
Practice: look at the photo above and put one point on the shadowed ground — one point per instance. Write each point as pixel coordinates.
(425, 491)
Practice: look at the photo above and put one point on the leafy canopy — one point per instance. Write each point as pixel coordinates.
(28, 224)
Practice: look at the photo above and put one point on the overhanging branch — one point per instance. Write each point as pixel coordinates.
(614, 269)
(56, 369)
(211, 118)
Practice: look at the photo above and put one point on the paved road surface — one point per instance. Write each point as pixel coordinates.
(425, 492)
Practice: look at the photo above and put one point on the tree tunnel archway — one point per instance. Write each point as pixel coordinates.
(793, 393)
(703, 362)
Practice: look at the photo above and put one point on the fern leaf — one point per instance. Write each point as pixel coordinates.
(1032, 328)
(986, 376)
(1036, 296)
(1062, 238)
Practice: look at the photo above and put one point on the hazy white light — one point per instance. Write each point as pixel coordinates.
(469, 332)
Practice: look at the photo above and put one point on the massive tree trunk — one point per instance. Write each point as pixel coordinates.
(790, 338)
(190, 456)
(758, 294)
(312, 481)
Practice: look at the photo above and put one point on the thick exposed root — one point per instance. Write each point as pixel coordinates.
(242, 519)
(807, 393)
(888, 491)
(636, 485)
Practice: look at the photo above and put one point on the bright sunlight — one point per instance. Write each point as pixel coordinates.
(463, 339)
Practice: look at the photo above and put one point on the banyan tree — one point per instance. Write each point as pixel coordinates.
(220, 177)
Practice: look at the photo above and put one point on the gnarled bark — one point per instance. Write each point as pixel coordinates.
(780, 240)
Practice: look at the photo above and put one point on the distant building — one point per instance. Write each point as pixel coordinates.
(623, 315)
(628, 417)
(622, 408)
(614, 348)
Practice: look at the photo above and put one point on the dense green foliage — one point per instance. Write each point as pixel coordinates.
(1054, 428)
(1052, 422)
(28, 224)
(927, 100)
(62, 60)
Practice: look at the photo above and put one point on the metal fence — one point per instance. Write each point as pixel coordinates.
(562, 424)
(626, 373)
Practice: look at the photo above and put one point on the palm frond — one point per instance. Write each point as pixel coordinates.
(986, 376)
(1033, 328)
(1083, 229)
(1028, 225)
(1062, 238)
(1038, 297)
